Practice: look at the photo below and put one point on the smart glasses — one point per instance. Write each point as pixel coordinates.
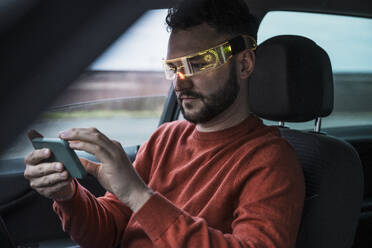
(207, 60)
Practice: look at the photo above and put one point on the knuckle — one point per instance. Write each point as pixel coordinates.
(98, 148)
(117, 143)
(45, 181)
(58, 166)
(96, 136)
(40, 170)
(36, 156)
(32, 184)
(93, 129)
(60, 176)
(26, 174)
(65, 175)
(28, 159)
(73, 131)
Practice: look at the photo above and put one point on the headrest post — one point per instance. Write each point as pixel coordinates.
(318, 124)
(281, 124)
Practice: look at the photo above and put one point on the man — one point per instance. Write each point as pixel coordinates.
(219, 179)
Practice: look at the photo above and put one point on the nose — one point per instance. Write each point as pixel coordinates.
(180, 83)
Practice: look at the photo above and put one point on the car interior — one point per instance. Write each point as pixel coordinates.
(46, 45)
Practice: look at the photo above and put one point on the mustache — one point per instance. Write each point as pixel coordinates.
(190, 93)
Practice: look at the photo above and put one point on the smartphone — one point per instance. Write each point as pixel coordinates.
(61, 152)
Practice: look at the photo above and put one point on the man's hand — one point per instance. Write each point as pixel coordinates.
(48, 179)
(115, 172)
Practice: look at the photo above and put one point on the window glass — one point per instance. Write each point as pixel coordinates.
(141, 48)
(347, 40)
(122, 93)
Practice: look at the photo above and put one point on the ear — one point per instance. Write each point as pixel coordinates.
(246, 61)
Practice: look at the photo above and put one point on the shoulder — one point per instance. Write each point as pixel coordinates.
(267, 150)
(272, 147)
(264, 139)
(271, 160)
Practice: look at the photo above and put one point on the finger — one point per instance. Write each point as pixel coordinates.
(49, 180)
(100, 152)
(43, 169)
(117, 143)
(90, 166)
(121, 150)
(54, 190)
(36, 156)
(91, 135)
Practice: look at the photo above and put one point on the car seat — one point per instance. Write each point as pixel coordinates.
(293, 82)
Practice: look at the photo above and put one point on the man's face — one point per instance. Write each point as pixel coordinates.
(204, 95)
(213, 103)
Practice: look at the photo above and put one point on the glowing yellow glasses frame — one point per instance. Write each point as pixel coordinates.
(207, 60)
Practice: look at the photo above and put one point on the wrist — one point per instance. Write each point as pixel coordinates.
(67, 193)
(138, 198)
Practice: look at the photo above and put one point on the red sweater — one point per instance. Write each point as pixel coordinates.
(240, 187)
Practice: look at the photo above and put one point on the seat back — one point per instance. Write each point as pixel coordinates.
(293, 82)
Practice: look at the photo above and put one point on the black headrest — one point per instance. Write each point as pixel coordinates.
(292, 80)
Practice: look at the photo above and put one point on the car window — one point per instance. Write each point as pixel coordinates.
(347, 40)
(122, 93)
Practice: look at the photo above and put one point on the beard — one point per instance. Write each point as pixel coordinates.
(215, 103)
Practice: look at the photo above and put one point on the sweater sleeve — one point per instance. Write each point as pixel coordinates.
(99, 222)
(91, 221)
(267, 213)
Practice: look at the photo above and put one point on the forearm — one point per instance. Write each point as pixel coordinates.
(168, 226)
(91, 221)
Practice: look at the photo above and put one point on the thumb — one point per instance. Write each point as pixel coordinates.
(90, 166)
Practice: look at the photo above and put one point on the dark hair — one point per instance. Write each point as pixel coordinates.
(225, 16)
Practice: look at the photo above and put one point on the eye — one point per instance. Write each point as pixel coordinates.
(172, 67)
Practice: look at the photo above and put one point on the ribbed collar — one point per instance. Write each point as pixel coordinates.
(246, 126)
